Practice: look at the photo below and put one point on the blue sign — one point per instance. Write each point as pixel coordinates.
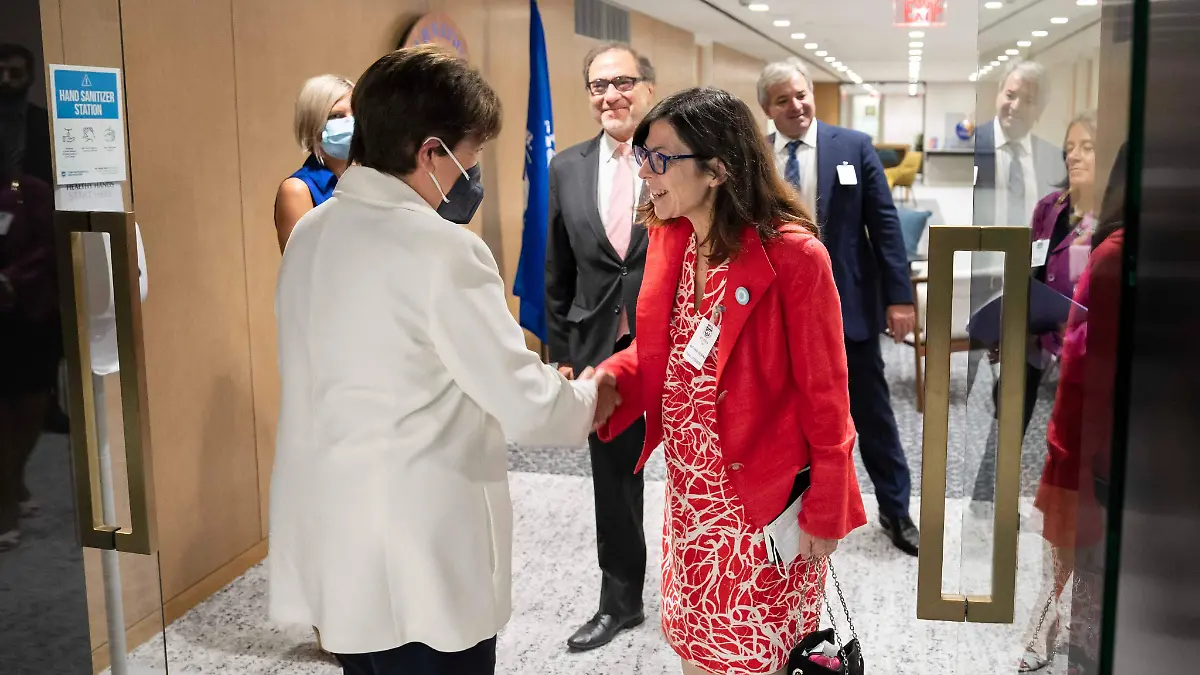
(86, 95)
(87, 125)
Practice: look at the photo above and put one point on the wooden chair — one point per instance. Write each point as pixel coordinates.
(959, 341)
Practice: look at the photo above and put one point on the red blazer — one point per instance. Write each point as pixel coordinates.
(783, 398)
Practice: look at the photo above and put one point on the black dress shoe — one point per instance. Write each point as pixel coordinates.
(601, 630)
(903, 533)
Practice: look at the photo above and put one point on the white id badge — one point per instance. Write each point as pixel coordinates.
(1041, 248)
(782, 536)
(701, 344)
(6, 219)
(846, 174)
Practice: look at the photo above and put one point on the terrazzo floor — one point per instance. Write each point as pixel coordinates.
(556, 581)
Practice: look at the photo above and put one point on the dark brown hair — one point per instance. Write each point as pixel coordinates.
(414, 93)
(645, 69)
(715, 125)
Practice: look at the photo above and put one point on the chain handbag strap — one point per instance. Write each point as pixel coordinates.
(837, 585)
(1037, 632)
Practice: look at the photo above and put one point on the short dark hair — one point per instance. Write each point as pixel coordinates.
(412, 94)
(645, 68)
(716, 125)
(9, 50)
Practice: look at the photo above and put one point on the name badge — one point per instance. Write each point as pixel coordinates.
(846, 174)
(6, 219)
(701, 344)
(1041, 248)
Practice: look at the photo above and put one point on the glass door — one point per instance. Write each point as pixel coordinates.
(80, 591)
(1011, 566)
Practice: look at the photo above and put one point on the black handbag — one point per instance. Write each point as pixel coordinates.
(850, 654)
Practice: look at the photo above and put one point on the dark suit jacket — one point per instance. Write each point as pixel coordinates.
(37, 145)
(1048, 168)
(860, 228)
(587, 283)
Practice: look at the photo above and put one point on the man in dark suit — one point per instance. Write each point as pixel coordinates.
(839, 175)
(1016, 168)
(594, 260)
(25, 126)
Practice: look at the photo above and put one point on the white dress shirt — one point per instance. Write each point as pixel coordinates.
(806, 155)
(608, 168)
(402, 373)
(1004, 159)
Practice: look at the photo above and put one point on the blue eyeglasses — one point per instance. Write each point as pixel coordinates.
(658, 161)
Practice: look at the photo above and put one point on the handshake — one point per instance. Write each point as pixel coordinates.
(607, 398)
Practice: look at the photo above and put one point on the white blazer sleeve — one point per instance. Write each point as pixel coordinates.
(484, 350)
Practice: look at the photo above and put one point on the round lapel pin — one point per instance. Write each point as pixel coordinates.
(742, 295)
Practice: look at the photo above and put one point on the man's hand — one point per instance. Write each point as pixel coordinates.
(901, 320)
(566, 371)
(816, 547)
(607, 398)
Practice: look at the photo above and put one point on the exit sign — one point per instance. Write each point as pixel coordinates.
(916, 13)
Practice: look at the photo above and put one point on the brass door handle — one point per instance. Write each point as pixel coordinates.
(140, 535)
(944, 241)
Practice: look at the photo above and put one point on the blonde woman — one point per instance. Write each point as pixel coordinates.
(324, 126)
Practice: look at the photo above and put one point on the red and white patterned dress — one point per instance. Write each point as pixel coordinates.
(725, 608)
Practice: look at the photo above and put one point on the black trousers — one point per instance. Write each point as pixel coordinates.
(420, 659)
(985, 479)
(878, 437)
(620, 536)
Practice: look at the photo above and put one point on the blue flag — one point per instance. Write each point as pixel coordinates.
(530, 285)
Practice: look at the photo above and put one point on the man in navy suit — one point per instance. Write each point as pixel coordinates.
(839, 175)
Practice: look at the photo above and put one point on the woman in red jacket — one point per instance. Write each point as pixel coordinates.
(740, 370)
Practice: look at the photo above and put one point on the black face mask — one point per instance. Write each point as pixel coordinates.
(11, 94)
(464, 197)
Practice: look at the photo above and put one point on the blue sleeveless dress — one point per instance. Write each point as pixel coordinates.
(320, 180)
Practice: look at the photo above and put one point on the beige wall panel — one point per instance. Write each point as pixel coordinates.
(274, 56)
(738, 74)
(183, 140)
(672, 50)
(828, 98)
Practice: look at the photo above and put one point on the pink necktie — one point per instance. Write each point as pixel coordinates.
(619, 224)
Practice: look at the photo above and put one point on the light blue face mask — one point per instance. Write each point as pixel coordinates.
(335, 139)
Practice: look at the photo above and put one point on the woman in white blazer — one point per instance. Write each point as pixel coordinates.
(403, 372)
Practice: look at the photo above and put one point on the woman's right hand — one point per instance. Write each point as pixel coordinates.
(815, 547)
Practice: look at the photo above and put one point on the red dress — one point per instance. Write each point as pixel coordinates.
(725, 608)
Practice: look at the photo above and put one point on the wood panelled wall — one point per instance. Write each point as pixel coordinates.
(210, 89)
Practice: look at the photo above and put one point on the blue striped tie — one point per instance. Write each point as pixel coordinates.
(791, 170)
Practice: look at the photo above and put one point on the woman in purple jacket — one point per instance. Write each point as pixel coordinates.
(1062, 226)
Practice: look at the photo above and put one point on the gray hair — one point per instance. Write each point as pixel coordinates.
(780, 71)
(645, 68)
(1031, 72)
(317, 96)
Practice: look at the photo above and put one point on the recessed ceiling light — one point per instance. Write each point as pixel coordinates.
(782, 23)
(758, 7)
(916, 44)
(810, 45)
(1087, 3)
(1040, 33)
(837, 64)
(914, 59)
(798, 36)
(822, 53)
(842, 69)
(993, 5)
(1002, 57)
(972, 77)
(917, 34)
(1024, 43)
(1012, 52)
(829, 59)
(995, 63)
(914, 52)
(1059, 20)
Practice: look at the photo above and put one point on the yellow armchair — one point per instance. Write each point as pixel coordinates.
(904, 174)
